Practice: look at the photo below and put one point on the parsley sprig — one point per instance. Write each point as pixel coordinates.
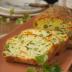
(31, 69)
(46, 68)
(23, 19)
(41, 59)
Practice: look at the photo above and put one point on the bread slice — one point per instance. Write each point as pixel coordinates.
(56, 18)
(43, 33)
(39, 32)
(24, 48)
(58, 38)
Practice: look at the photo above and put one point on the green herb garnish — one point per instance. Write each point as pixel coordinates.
(46, 68)
(23, 19)
(41, 59)
(19, 21)
(55, 68)
(31, 69)
(12, 10)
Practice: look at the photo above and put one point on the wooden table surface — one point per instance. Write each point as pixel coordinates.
(7, 27)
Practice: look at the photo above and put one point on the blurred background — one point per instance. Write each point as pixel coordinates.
(12, 12)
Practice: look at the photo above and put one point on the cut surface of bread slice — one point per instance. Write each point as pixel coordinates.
(57, 38)
(43, 33)
(39, 32)
(52, 24)
(48, 35)
(54, 36)
(26, 47)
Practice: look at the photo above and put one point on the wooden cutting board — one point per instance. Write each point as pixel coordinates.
(64, 59)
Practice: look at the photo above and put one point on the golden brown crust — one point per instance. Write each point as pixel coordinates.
(21, 60)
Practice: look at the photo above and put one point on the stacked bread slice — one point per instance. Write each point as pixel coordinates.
(59, 39)
(31, 43)
(56, 18)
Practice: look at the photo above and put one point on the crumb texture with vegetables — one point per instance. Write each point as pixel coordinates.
(34, 44)
(27, 46)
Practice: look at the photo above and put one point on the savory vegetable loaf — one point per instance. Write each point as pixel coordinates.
(24, 48)
(31, 43)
